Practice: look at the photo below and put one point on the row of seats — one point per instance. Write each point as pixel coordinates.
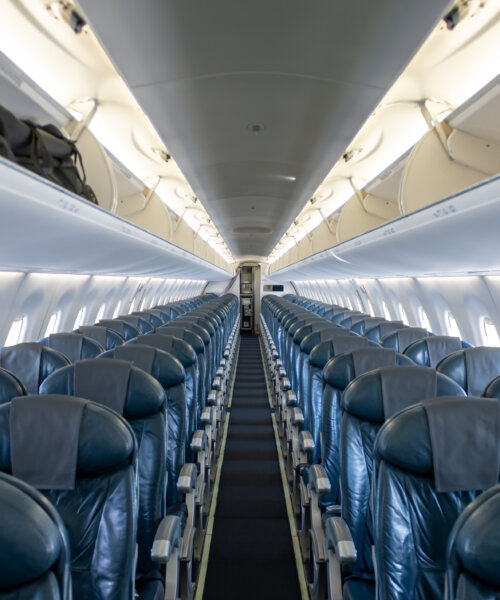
(118, 425)
(389, 433)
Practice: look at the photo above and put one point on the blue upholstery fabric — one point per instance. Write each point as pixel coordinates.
(472, 368)
(473, 565)
(100, 514)
(361, 326)
(33, 545)
(400, 339)
(124, 328)
(78, 346)
(431, 350)
(10, 386)
(412, 522)
(142, 325)
(377, 332)
(104, 336)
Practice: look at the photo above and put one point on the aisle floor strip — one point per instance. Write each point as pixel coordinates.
(200, 586)
(286, 491)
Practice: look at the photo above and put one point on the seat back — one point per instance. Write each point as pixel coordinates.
(430, 461)
(209, 326)
(33, 544)
(141, 400)
(169, 372)
(31, 363)
(351, 320)
(10, 386)
(104, 336)
(74, 346)
(473, 565)
(187, 357)
(400, 339)
(368, 401)
(155, 317)
(429, 351)
(361, 326)
(472, 368)
(377, 332)
(83, 456)
(126, 330)
(204, 334)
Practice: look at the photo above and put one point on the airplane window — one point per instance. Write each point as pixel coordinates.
(15, 332)
(387, 314)
(402, 312)
(453, 325)
(371, 310)
(80, 317)
(424, 320)
(100, 314)
(132, 305)
(117, 310)
(491, 333)
(348, 303)
(52, 324)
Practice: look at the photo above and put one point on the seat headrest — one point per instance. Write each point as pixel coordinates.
(378, 394)
(202, 322)
(183, 351)
(302, 322)
(105, 442)
(126, 330)
(188, 336)
(458, 448)
(142, 325)
(431, 350)
(105, 337)
(31, 541)
(73, 345)
(10, 386)
(472, 368)
(195, 328)
(326, 350)
(342, 369)
(400, 339)
(322, 335)
(305, 331)
(114, 383)
(361, 326)
(476, 537)
(382, 329)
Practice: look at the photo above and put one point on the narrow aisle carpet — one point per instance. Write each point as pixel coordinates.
(251, 554)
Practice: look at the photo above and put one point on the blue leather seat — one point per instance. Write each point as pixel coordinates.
(400, 339)
(473, 565)
(125, 329)
(472, 368)
(169, 372)
(31, 363)
(347, 314)
(33, 544)
(74, 346)
(83, 456)
(187, 357)
(10, 386)
(104, 336)
(210, 327)
(430, 461)
(428, 352)
(155, 317)
(368, 401)
(143, 325)
(292, 350)
(377, 332)
(351, 320)
(141, 400)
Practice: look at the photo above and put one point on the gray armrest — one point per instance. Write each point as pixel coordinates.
(220, 372)
(297, 416)
(275, 354)
(223, 363)
(339, 539)
(285, 384)
(291, 399)
(168, 536)
(217, 384)
(199, 441)
(187, 478)
(226, 353)
(212, 398)
(306, 442)
(278, 363)
(206, 415)
(282, 372)
(318, 479)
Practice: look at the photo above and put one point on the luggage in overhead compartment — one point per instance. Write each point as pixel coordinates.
(44, 150)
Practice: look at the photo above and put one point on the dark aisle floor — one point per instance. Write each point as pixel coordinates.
(251, 554)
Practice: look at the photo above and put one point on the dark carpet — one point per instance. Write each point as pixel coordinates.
(251, 554)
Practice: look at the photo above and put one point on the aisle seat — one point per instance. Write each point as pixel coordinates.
(10, 386)
(83, 456)
(31, 363)
(400, 339)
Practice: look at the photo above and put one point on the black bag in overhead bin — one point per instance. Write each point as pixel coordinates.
(44, 150)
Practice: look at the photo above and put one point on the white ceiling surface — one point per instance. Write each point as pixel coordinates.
(309, 72)
(458, 235)
(80, 237)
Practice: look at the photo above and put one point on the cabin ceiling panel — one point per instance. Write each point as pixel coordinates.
(308, 74)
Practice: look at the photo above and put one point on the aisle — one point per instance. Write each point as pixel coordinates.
(251, 554)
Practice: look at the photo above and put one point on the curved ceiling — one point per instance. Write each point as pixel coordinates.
(257, 100)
